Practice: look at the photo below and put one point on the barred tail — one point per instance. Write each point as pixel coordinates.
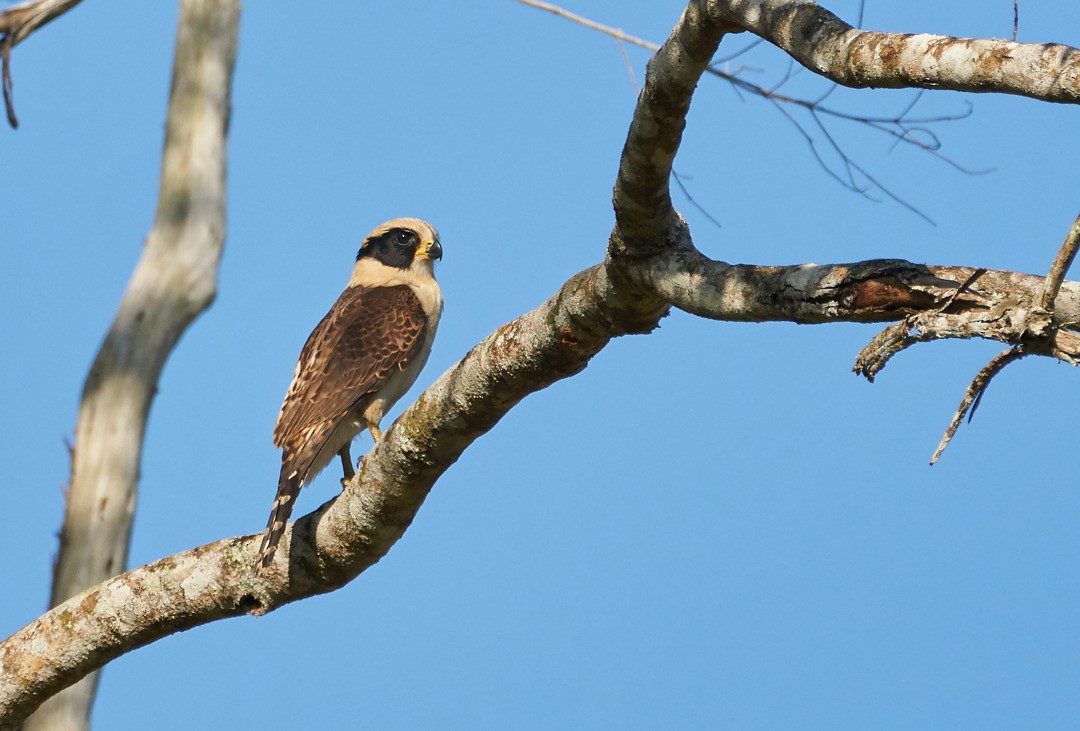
(289, 485)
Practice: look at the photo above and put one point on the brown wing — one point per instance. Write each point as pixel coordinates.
(367, 336)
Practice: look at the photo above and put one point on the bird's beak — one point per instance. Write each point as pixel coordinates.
(432, 251)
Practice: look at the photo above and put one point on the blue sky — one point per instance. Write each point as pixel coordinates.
(717, 525)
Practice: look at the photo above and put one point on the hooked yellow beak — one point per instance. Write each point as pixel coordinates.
(430, 250)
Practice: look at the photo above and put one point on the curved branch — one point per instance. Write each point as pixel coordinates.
(645, 220)
(331, 546)
(16, 23)
(19, 21)
(174, 281)
(828, 46)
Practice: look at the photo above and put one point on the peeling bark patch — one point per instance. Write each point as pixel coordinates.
(886, 294)
(990, 63)
(89, 602)
(567, 337)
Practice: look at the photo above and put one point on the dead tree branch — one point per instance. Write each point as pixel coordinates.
(828, 46)
(1060, 267)
(16, 23)
(901, 128)
(174, 281)
(975, 392)
(328, 548)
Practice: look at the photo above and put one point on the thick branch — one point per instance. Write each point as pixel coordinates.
(174, 281)
(932, 302)
(828, 46)
(645, 220)
(330, 547)
(879, 290)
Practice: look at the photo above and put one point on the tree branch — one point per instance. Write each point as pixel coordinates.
(331, 546)
(645, 220)
(880, 290)
(823, 43)
(174, 281)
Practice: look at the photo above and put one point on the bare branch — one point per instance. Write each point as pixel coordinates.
(901, 128)
(879, 290)
(1060, 267)
(20, 20)
(330, 547)
(16, 23)
(613, 32)
(828, 46)
(975, 392)
(174, 281)
(645, 220)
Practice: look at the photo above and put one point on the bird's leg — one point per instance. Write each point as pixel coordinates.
(346, 465)
(346, 456)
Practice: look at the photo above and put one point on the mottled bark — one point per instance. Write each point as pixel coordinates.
(828, 46)
(645, 220)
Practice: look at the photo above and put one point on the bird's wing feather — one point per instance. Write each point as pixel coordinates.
(367, 336)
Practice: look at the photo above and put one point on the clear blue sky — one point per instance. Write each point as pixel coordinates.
(716, 526)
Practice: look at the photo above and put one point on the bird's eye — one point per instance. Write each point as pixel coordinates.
(403, 238)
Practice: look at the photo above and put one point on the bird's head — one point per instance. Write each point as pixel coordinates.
(403, 243)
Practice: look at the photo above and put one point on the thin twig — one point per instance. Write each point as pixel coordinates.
(613, 32)
(5, 81)
(629, 66)
(694, 203)
(1060, 267)
(962, 288)
(901, 128)
(975, 392)
(1016, 17)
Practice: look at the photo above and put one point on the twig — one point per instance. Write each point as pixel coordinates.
(694, 203)
(1016, 17)
(900, 127)
(964, 287)
(629, 66)
(5, 81)
(890, 341)
(613, 32)
(1060, 267)
(975, 392)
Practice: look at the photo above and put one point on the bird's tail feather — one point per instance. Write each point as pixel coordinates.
(289, 485)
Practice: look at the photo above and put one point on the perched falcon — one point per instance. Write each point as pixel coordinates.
(362, 357)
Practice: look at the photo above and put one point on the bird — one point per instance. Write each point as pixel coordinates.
(358, 361)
